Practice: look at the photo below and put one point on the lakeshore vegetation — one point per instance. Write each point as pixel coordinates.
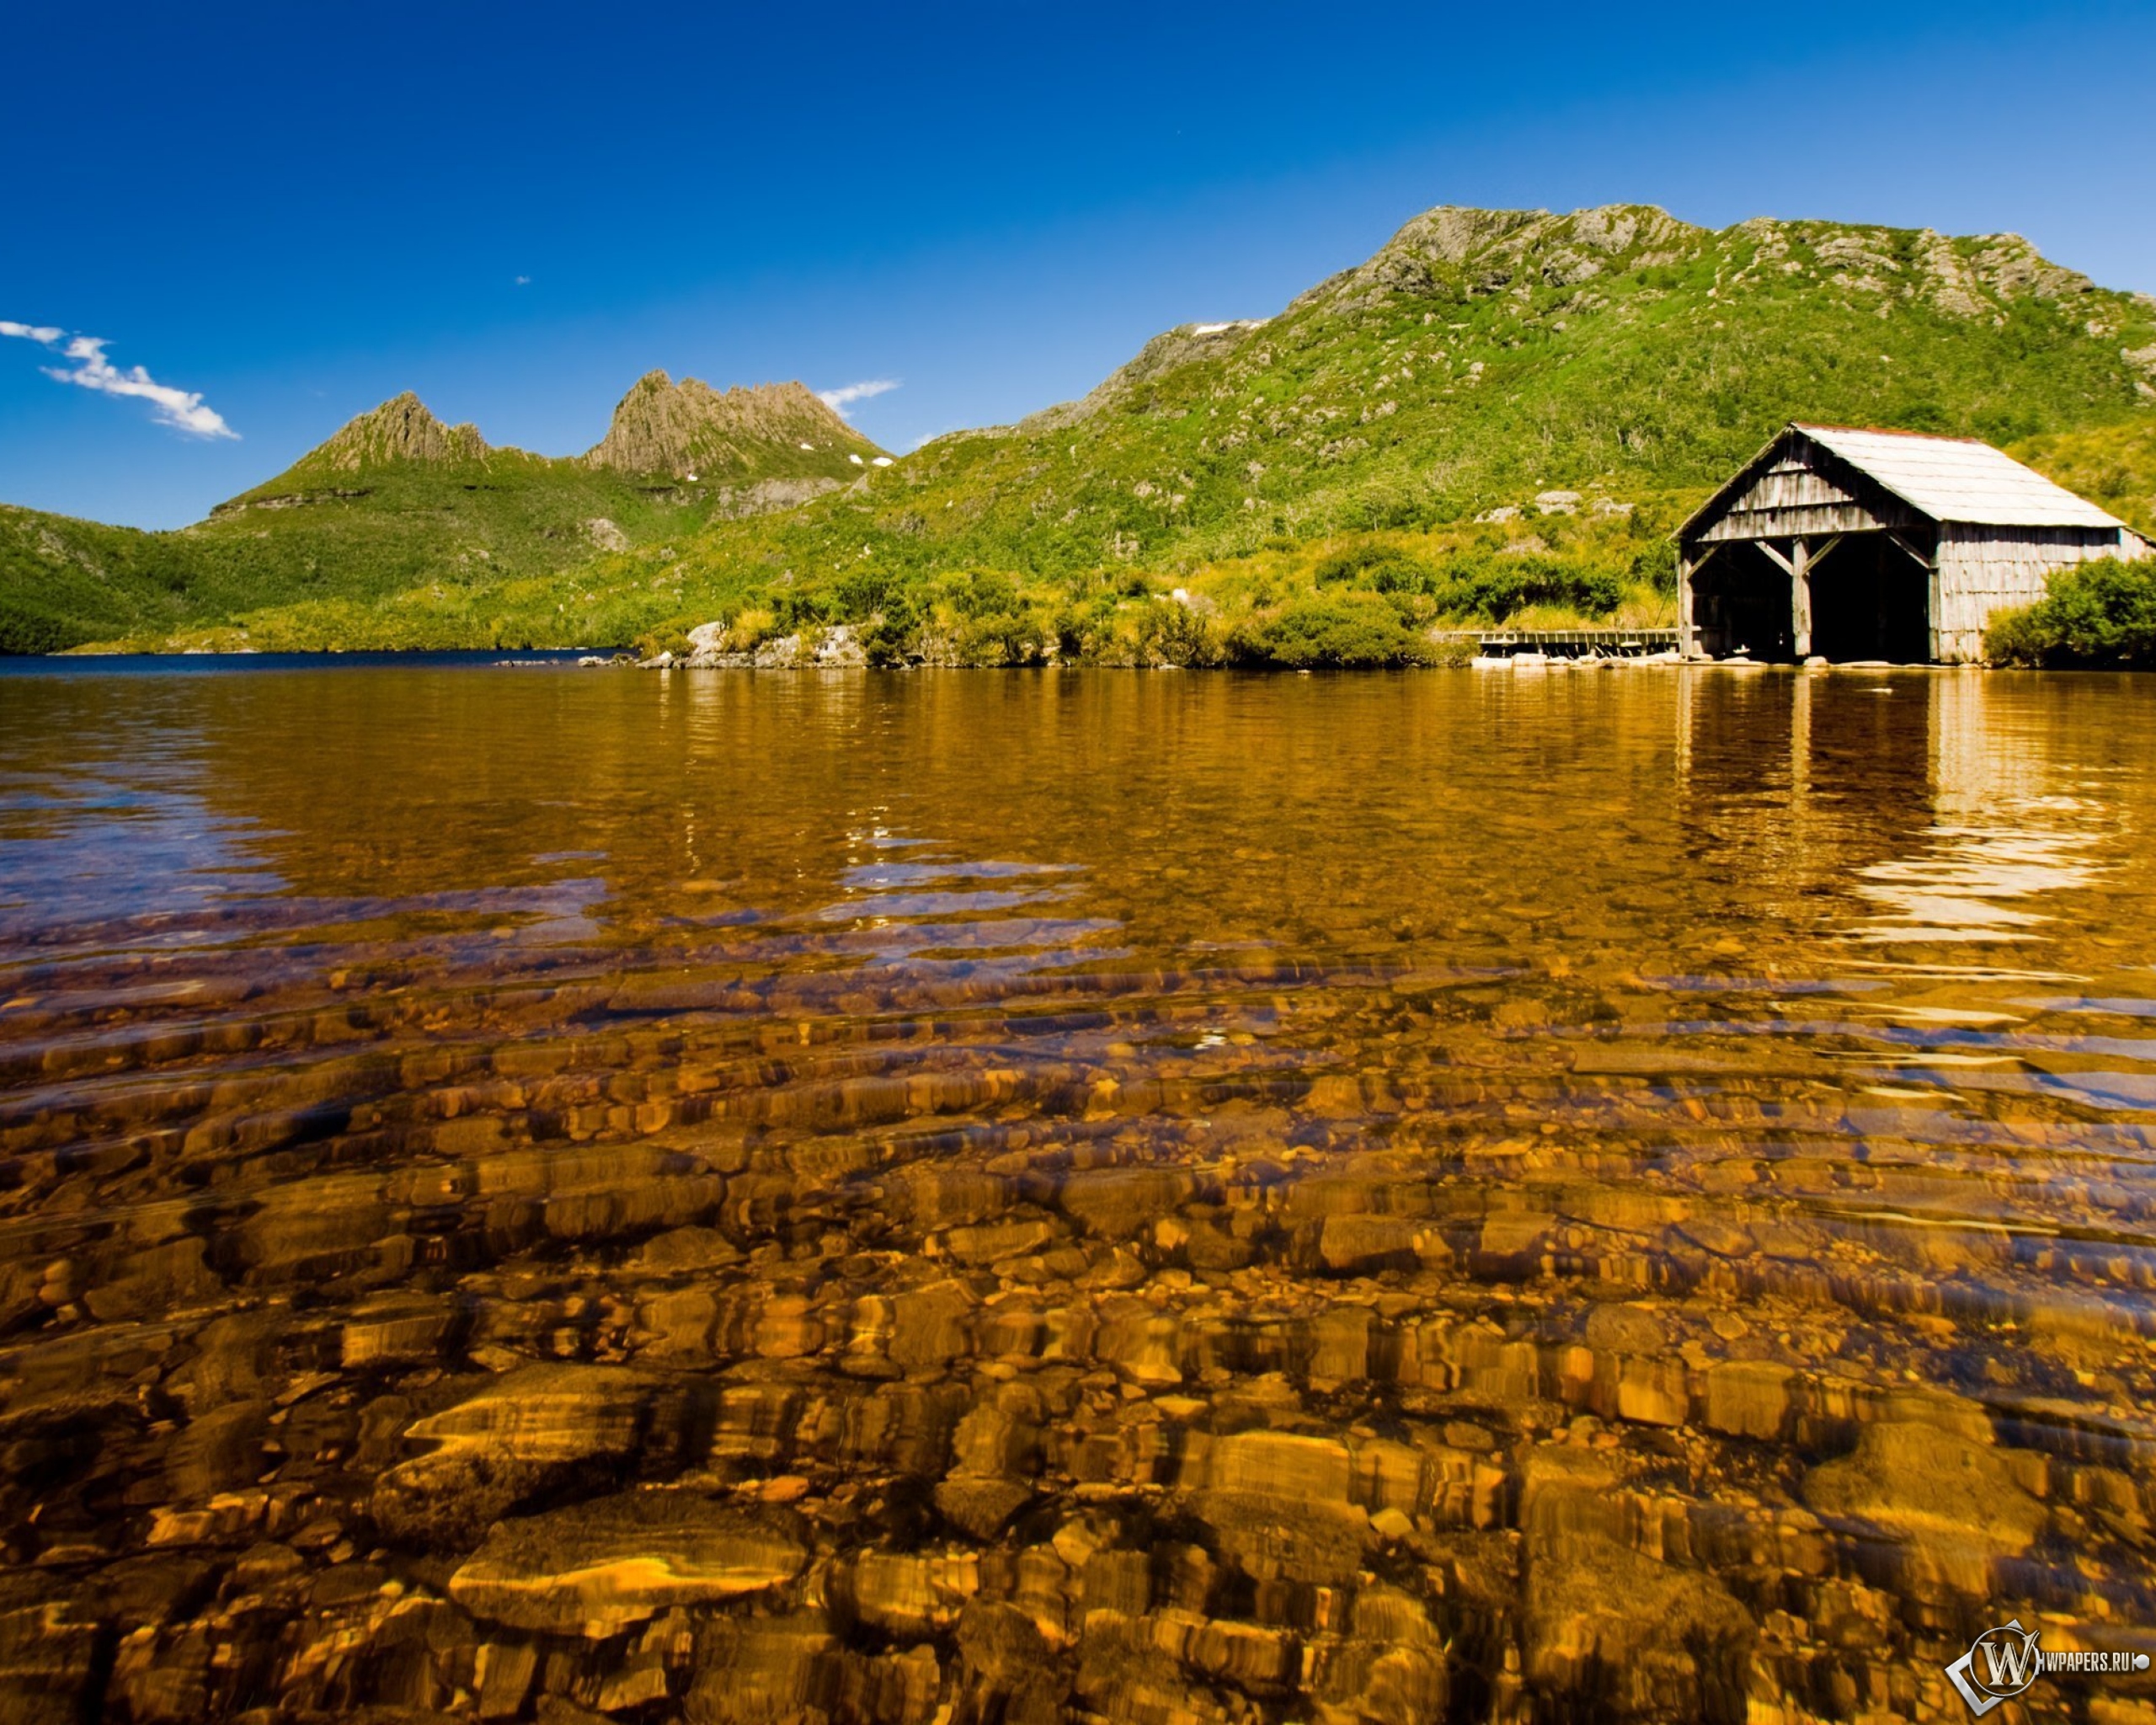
(1498, 418)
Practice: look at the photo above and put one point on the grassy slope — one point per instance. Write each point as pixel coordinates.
(1332, 463)
(2111, 465)
(64, 581)
(419, 543)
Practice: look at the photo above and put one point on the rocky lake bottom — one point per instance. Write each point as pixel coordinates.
(1037, 1196)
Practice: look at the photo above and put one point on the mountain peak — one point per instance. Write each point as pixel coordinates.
(402, 429)
(692, 430)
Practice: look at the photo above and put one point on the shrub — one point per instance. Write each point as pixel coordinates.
(986, 593)
(748, 628)
(2097, 614)
(1654, 566)
(1377, 567)
(1085, 630)
(1001, 637)
(892, 634)
(1497, 586)
(1919, 416)
(1336, 629)
(27, 627)
(1172, 633)
(794, 609)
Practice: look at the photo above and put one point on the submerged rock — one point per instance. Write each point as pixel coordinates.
(1953, 1500)
(598, 1568)
(520, 1433)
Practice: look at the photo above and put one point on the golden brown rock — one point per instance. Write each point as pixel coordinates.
(1954, 1499)
(596, 1569)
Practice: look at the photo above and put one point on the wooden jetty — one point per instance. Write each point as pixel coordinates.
(1565, 644)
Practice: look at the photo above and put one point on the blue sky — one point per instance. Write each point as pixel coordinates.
(293, 212)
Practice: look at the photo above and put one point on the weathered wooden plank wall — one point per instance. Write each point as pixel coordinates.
(1984, 569)
(1791, 499)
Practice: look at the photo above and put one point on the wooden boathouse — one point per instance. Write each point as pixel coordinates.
(1847, 545)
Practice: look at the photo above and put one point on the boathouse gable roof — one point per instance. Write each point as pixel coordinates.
(1812, 478)
(1960, 479)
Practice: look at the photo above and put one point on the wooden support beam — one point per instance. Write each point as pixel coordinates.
(1776, 557)
(1684, 630)
(1800, 596)
(1922, 562)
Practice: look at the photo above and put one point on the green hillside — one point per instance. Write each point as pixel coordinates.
(398, 515)
(64, 581)
(1321, 486)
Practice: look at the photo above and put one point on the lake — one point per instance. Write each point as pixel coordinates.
(723, 1196)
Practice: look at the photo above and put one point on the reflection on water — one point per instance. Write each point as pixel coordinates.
(1017, 1196)
(2002, 840)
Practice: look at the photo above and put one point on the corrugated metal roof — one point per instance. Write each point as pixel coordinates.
(1960, 479)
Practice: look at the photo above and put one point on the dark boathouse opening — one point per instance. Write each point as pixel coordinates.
(1741, 604)
(1870, 599)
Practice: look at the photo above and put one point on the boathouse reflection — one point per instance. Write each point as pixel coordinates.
(1926, 808)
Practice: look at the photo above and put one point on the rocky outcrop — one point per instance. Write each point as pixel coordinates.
(690, 431)
(739, 451)
(765, 495)
(1488, 250)
(400, 430)
(711, 647)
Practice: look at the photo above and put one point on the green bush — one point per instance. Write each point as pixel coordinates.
(1654, 566)
(1377, 567)
(1172, 633)
(815, 608)
(891, 633)
(1333, 630)
(2098, 614)
(25, 628)
(986, 593)
(1001, 637)
(1494, 587)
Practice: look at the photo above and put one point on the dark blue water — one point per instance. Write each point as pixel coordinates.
(129, 664)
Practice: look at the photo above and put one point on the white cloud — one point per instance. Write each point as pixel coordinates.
(183, 410)
(524, 282)
(840, 399)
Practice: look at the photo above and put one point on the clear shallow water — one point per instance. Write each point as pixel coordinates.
(730, 1197)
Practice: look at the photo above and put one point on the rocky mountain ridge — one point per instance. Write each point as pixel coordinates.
(396, 501)
(1506, 250)
(780, 437)
(693, 430)
(401, 430)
